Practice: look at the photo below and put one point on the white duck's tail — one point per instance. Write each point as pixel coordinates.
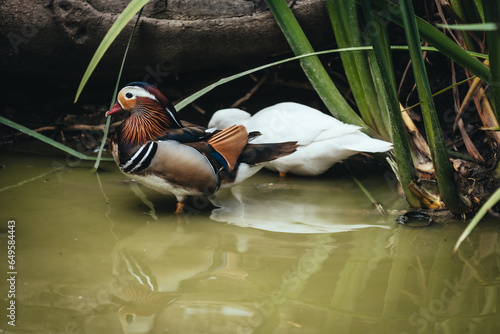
(361, 142)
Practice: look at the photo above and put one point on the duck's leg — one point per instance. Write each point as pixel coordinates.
(282, 174)
(180, 207)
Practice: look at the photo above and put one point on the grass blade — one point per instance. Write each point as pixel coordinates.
(312, 66)
(450, 194)
(402, 148)
(133, 8)
(436, 38)
(479, 8)
(345, 23)
(108, 120)
(470, 26)
(46, 139)
(370, 197)
(460, 10)
(182, 104)
(492, 16)
(477, 218)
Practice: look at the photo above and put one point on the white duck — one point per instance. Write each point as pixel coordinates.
(323, 140)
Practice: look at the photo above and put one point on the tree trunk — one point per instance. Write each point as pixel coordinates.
(59, 37)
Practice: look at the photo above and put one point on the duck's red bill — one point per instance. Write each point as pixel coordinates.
(116, 108)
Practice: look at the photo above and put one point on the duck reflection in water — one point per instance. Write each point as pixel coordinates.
(153, 267)
(140, 296)
(293, 208)
(148, 271)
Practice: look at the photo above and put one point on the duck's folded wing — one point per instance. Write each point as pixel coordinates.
(188, 134)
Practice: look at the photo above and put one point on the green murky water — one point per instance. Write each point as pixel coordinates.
(99, 254)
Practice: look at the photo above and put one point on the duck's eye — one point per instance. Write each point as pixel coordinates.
(129, 95)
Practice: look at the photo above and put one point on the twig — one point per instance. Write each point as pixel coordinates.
(416, 136)
(487, 116)
(294, 84)
(251, 92)
(75, 127)
(198, 108)
(473, 90)
(471, 148)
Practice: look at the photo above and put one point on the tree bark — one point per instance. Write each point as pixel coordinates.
(59, 37)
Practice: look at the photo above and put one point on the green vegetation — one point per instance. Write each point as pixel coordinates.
(372, 82)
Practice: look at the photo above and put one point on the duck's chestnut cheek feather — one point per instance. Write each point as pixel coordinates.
(116, 108)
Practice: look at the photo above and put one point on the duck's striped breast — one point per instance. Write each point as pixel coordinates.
(141, 159)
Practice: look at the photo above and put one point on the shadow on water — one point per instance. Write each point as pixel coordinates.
(99, 254)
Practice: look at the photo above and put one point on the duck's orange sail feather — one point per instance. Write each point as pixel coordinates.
(230, 143)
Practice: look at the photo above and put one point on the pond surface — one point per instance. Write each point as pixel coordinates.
(96, 253)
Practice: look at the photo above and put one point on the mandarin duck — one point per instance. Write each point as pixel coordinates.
(322, 140)
(153, 147)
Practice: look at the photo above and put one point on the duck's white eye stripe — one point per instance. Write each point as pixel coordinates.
(136, 92)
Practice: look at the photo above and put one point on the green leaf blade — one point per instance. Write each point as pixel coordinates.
(312, 66)
(495, 198)
(450, 193)
(45, 139)
(471, 27)
(402, 148)
(436, 38)
(133, 8)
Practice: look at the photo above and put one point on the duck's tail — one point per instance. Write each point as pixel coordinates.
(254, 154)
(361, 142)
